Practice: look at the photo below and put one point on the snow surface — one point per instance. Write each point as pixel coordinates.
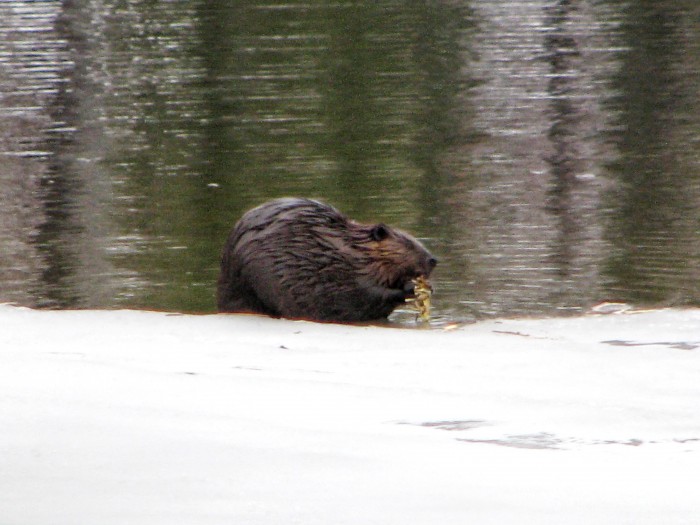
(116, 417)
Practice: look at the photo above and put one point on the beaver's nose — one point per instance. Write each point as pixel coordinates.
(432, 262)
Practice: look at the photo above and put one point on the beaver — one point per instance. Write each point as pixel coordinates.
(303, 259)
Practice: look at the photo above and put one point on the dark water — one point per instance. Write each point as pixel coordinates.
(547, 151)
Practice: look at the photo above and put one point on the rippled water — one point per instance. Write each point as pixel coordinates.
(547, 151)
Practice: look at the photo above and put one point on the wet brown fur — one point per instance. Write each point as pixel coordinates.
(300, 258)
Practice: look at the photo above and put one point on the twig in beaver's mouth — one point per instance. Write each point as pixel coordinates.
(421, 298)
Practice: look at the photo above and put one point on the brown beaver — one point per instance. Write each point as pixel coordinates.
(300, 258)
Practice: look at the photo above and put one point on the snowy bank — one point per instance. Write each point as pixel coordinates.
(114, 417)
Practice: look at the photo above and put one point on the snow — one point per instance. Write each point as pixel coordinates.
(113, 417)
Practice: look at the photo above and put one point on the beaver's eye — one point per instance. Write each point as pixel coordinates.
(380, 232)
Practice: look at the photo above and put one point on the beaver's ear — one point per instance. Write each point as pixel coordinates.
(380, 232)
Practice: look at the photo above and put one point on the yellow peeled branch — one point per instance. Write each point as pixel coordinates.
(421, 299)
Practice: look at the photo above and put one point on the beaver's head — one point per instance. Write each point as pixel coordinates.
(394, 258)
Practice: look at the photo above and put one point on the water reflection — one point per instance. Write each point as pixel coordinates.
(31, 59)
(655, 210)
(546, 151)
